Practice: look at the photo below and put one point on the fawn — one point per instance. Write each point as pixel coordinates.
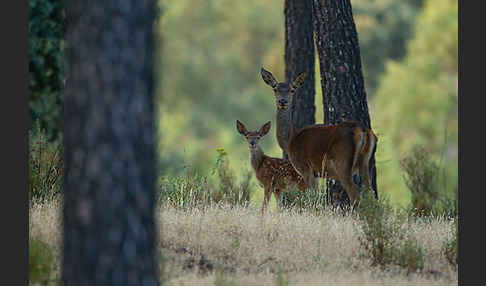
(274, 174)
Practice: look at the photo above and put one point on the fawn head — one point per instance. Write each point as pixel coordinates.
(252, 137)
(284, 91)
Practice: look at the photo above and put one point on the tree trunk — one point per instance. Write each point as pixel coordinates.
(299, 57)
(108, 213)
(342, 82)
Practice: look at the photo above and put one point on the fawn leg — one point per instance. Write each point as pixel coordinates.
(266, 198)
(276, 194)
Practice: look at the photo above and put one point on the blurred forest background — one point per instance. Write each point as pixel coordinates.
(209, 57)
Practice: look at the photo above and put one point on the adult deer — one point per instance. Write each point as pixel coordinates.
(274, 174)
(329, 151)
(367, 151)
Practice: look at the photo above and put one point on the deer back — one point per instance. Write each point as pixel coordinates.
(316, 144)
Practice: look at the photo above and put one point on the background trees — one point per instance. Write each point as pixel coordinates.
(210, 76)
(416, 103)
(46, 64)
(108, 211)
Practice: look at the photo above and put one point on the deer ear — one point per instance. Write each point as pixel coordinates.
(265, 128)
(299, 80)
(268, 78)
(241, 128)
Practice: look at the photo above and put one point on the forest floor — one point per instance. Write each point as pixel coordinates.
(239, 246)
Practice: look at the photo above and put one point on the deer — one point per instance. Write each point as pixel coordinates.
(367, 151)
(327, 151)
(274, 174)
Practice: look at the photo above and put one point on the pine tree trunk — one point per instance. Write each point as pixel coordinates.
(299, 57)
(108, 213)
(341, 74)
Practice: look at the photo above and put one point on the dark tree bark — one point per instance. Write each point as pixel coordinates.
(341, 74)
(108, 213)
(300, 57)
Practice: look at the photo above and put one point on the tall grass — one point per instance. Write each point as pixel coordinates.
(194, 190)
(45, 166)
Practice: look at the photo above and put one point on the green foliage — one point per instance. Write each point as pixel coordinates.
(416, 103)
(384, 28)
(41, 262)
(384, 241)
(46, 64)
(45, 166)
(211, 54)
(422, 177)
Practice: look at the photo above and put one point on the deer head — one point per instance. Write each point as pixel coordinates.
(253, 137)
(284, 93)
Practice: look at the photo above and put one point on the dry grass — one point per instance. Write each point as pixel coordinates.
(237, 246)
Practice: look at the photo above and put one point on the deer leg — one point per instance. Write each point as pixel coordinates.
(345, 177)
(276, 194)
(266, 198)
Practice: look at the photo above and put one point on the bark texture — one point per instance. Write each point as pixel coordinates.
(300, 57)
(341, 74)
(108, 213)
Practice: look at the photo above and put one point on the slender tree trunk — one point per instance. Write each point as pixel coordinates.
(341, 75)
(108, 213)
(300, 57)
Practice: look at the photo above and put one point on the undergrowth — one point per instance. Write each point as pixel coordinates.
(384, 240)
(45, 166)
(422, 177)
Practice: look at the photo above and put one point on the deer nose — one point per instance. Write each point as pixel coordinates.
(282, 101)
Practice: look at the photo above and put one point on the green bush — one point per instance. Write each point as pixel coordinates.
(422, 177)
(383, 239)
(45, 166)
(41, 262)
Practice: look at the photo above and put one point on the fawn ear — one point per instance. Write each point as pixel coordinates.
(268, 78)
(265, 128)
(299, 80)
(241, 128)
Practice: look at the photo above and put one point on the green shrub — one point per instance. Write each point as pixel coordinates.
(383, 240)
(228, 191)
(422, 178)
(41, 262)
(45, 167)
